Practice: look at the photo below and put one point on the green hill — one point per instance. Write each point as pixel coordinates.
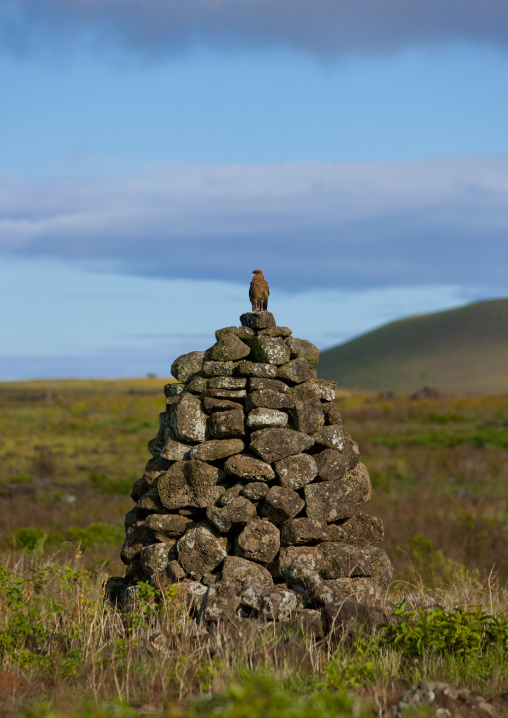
(461, 351)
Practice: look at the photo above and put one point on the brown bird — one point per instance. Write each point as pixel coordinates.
(258, 292)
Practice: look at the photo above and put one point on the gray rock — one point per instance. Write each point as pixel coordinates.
(248, 468)
(173, 389)
(238, 511)
(217, 449)
(269, 399)
(227, 424)
(257, 320)
(229, 348)
(201, 550)
(241, 332)
(274, 603)
(275, 332)
(227, 382)
(255, 490)
(230, 394)
(249, 368)
(301, 531)
(301, 348)
(296, 371)
(333, 437)
(307, 416)
(281, 504)
(188, 420)
(151, 501)
(270, 350)
(296, 471)
(344, 561)
(196, 385)
(259, 541)
(187, 365)
(262, 418)
(244, 571)
(155, 558)
(212, 404)
(359, 529)
(332, 500)
(217, 368)
(175, 450)
(309, 556)
(189, 483)
(259, 383)
(331, 464)
(274, 444)
(222, 601)
(167, 525)
(332, 414)
(308, 584)
(230, 494)
(445, 700)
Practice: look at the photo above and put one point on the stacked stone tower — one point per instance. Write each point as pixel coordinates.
(253, 499)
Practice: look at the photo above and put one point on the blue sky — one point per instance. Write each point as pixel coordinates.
(154, 153)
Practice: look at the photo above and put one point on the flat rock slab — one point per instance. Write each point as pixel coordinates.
(263, 418)
(226, 382)
(332, 500)
(212, 404)
(249, 468)
(241, 332)
(217, 368)
(168, 525)
(343, 561)
(303, 531)
(250, 368)
(217, 449)
(187, 365)
(359, 529)
(296, 371)
(258, 383)
(270, 399)
(275, 332)
(296, 471)
(257, 320)
(274, 444)
(259, 541)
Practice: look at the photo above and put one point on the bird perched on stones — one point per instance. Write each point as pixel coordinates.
(258, 292)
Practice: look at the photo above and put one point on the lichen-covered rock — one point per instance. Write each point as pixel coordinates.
(443, 700)
(270, 350)
(238, 395)
(238, 511)
(222, 601)
(201, 550)
(307, 416)
(173, 389)
(258, 320)
(262, 418)
(269, 399)
(155, 558)
(296, 471)
(333, 437)
(175, 572)
(227, 424)
(359, 529)
(196, 385)
(240, 569)
(151, 502)
(227, 382)
(154, 468)
(212, 404)
(188, 420)
(241, 332)
(296, 371)
(331, 464)
(175, 450)
(248, 468)
(259, 541)
(167, 526)
(281, 504)
(136, 538)
(230, 495)
(217, 449)
(255, 490)
(187, 365)
(332, 500)
(309, 556)
(275, 332)
(229, 348)
(308, 584)
(301, 348)
(303, 531)
(342, 561)
(274, 444)
(260, 383)
(190, 483)
(253, 369)
(332, 414)
(217, 368)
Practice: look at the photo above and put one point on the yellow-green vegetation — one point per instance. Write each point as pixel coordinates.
(462, 351)
(69, 453)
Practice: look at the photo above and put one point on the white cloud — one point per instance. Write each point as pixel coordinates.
(309, 224)
(322, 27)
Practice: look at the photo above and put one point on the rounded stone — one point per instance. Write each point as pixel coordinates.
(259, 541)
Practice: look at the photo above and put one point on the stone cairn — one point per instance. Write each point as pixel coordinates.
(252, 502)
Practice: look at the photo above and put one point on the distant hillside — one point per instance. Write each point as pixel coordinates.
(461, 351)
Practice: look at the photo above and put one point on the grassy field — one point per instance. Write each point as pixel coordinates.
(69, 453)
(462, 351)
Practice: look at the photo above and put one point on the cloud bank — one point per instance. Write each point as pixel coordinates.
(321, 27)
(306, 225)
